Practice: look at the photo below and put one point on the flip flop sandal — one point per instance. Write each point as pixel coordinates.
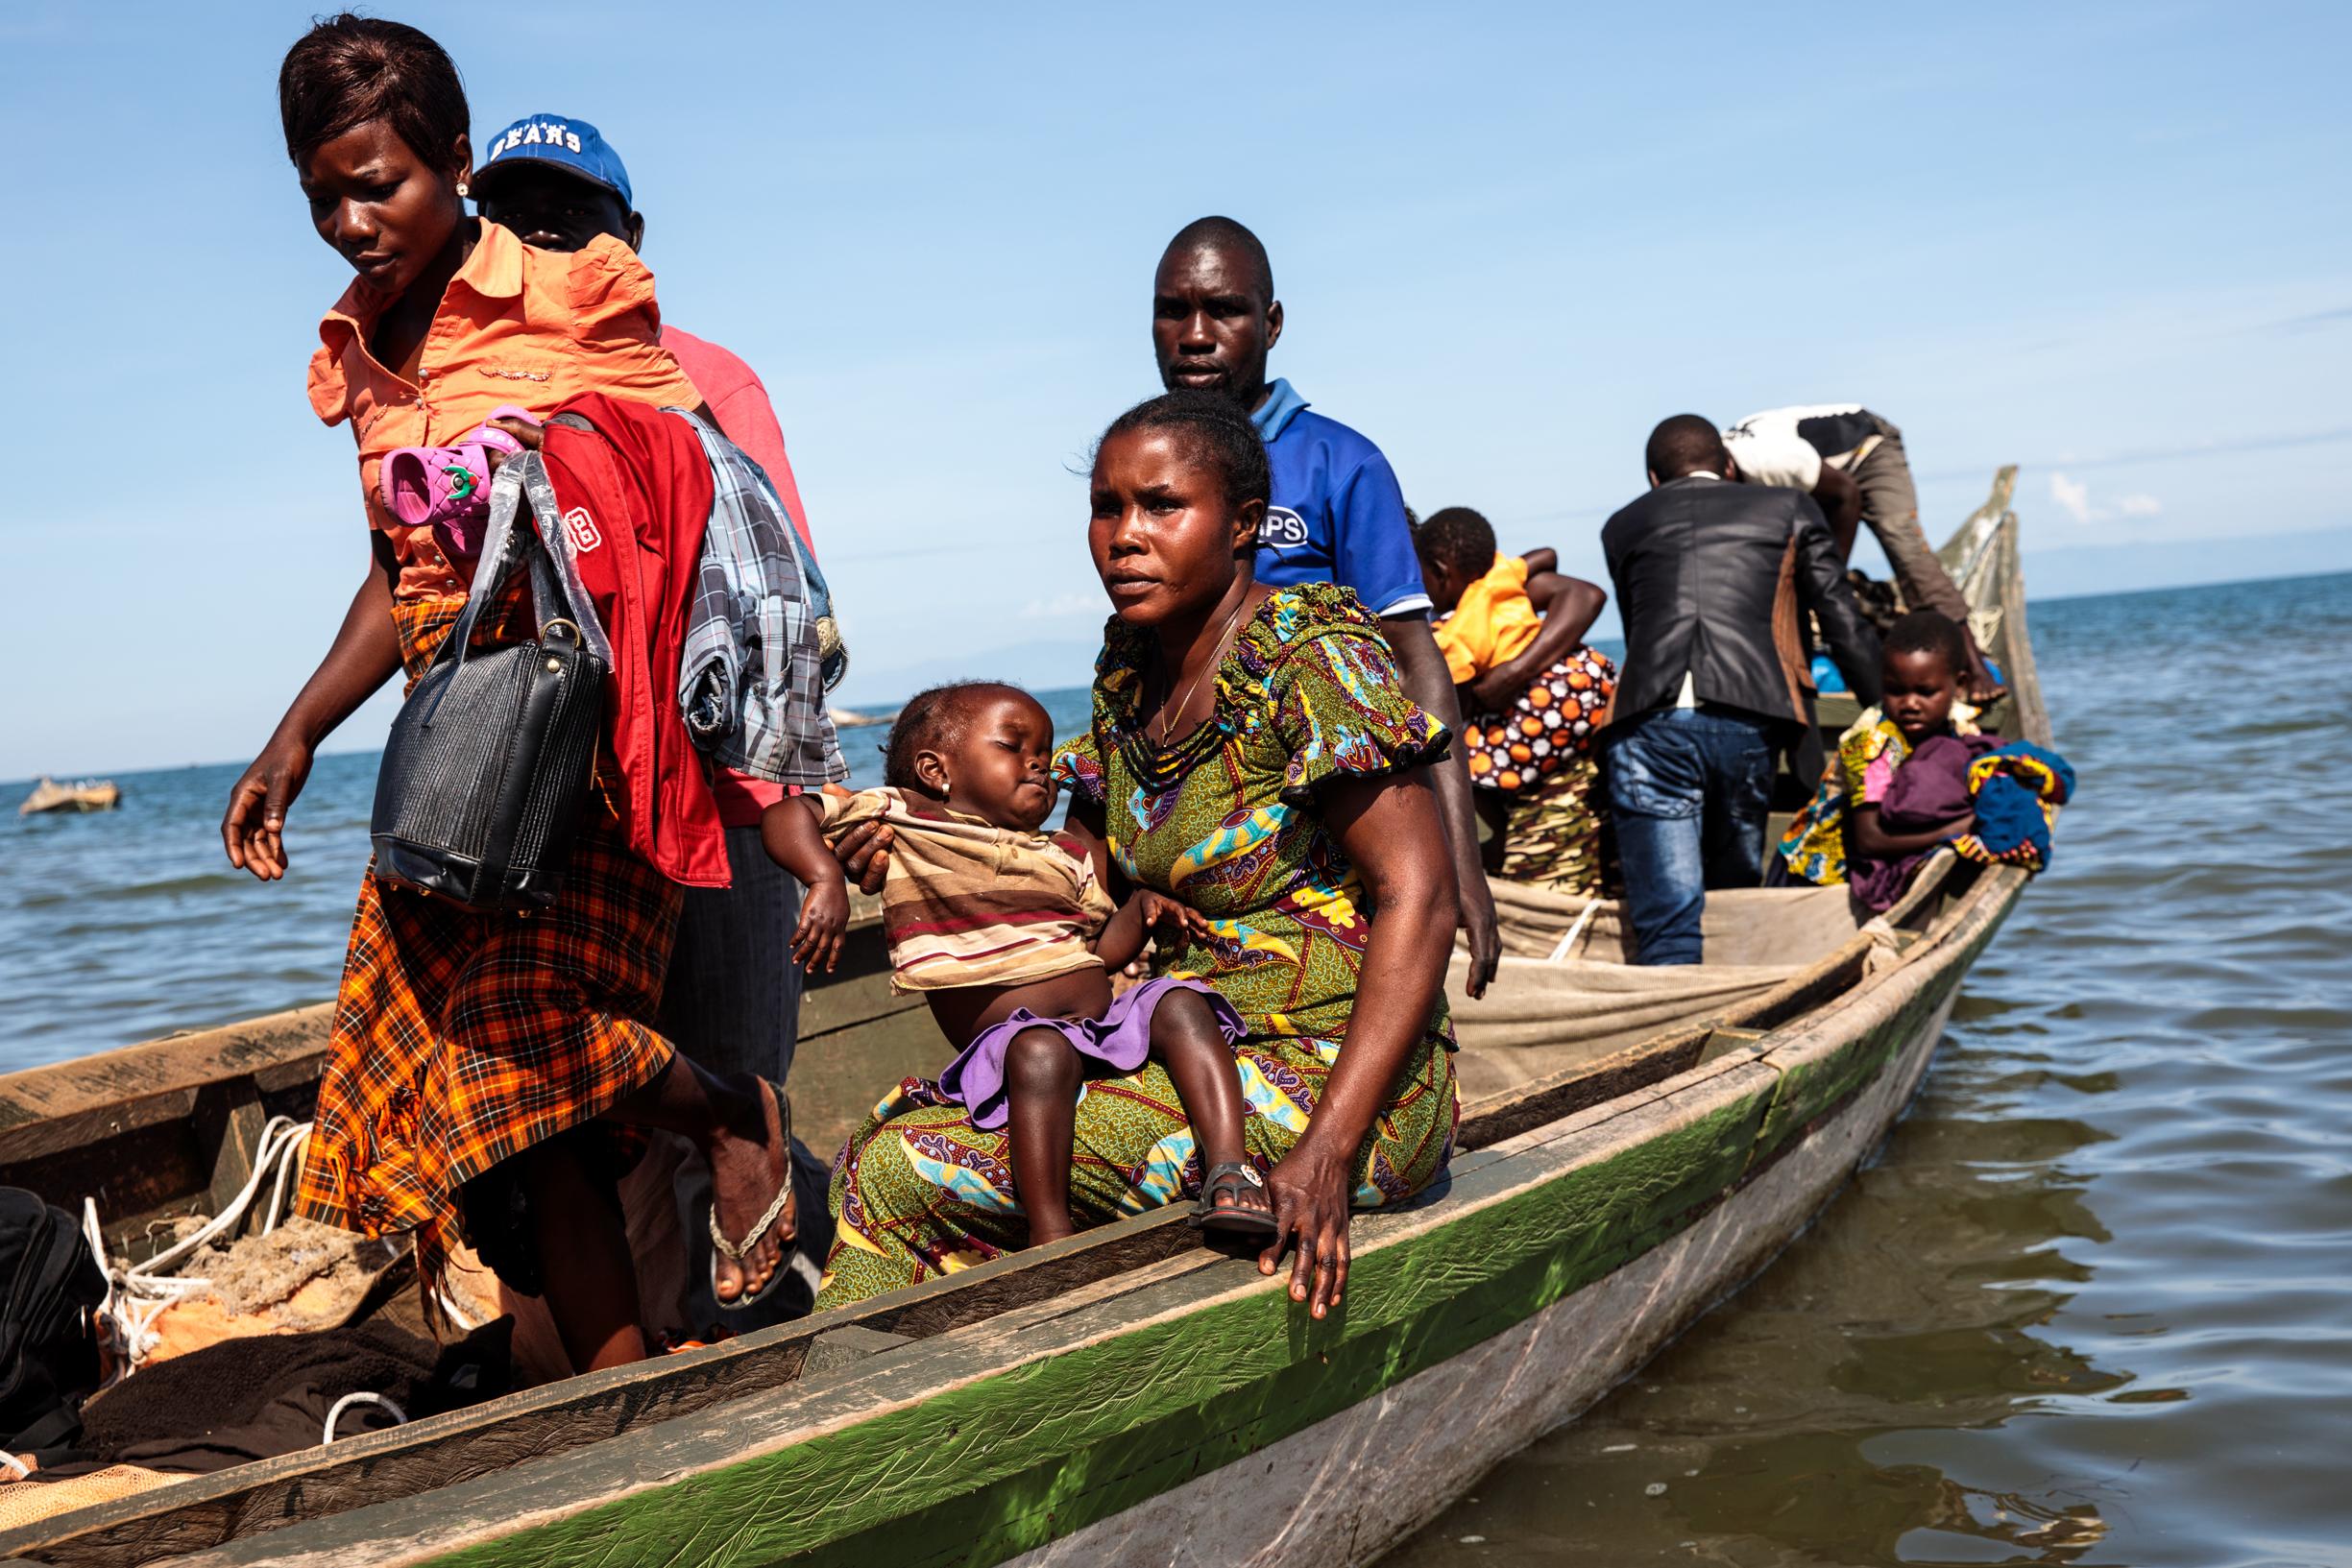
(1230, 1178)
(739, 1252)
(448, 488)
(438, 485)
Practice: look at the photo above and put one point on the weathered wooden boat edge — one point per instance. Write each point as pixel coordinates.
(708, 1485)
(1432, 1435)
(1774, 1123)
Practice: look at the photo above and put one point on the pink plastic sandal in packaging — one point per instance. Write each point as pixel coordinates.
(448, 488)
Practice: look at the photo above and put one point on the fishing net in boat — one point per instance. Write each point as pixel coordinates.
(31, 1501)
(1568, 993)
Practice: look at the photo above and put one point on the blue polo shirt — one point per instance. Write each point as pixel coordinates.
(1336, 515)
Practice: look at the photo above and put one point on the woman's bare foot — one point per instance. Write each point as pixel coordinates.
(747, 1177)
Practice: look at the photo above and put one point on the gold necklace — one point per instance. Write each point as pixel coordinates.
(1169, 715)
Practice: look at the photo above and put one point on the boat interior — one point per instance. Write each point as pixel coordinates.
(172, 1129)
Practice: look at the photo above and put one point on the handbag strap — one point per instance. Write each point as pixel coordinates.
(563, 586)
(523, 476)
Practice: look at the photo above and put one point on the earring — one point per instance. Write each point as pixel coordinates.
(461, 188)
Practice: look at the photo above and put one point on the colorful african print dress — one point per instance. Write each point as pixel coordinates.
(1868, 753)
(1552, 833)
(1225, 819)
(1550, 726)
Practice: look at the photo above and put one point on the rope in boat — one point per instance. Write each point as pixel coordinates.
(361, 1396)
(1583, 919)
(139, 1294)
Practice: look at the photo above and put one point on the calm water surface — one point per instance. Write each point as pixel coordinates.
(2091, 1304)
(131, 924)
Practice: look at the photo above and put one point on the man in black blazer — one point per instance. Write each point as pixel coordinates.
(1715, 580)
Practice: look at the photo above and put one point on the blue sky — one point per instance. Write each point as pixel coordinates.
(2110, 243)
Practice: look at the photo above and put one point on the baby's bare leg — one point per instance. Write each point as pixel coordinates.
(1042, 1074)
(1186, 1040)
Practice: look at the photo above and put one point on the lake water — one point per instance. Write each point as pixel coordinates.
(131, 923)
(2090, 1304)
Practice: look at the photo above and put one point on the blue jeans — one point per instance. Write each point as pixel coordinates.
(733, 1000)
(1690, 791)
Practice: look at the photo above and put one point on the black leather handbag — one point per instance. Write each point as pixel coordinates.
(490, 758)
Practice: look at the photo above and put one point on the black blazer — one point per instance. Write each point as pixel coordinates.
(1701, 565)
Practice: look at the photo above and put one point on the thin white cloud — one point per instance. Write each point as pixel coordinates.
(2072, 496)
(2073, 499)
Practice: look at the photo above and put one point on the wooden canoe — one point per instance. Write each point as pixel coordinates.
(1127, 1396)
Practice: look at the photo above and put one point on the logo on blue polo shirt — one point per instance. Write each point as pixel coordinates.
(1283, 530)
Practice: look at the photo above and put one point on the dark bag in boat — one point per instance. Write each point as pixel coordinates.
(48, 1333)
(489, 759)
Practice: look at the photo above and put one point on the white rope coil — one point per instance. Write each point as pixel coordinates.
(139, 1294)
(335, 1412)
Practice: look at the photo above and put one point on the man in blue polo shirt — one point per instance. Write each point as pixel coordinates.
(1336, 515)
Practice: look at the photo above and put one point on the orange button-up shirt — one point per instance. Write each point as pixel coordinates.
(515, 325)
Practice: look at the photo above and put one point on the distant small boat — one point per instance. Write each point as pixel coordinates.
(844, 719)
(84, 795)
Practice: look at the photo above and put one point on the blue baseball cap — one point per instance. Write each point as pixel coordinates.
(573, 146)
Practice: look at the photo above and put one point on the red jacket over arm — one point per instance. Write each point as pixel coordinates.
(636, 497)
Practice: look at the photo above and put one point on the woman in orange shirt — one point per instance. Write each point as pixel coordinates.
(484, 1070)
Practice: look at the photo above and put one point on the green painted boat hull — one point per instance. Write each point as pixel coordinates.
(1130, 1397)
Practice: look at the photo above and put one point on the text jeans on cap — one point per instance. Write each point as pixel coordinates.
(1690, 791)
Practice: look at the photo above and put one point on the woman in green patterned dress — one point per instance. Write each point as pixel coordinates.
(1254, 755)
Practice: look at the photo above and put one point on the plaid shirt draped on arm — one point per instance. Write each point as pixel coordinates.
(751, 676)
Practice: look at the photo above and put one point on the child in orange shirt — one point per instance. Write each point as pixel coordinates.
(1513, 633)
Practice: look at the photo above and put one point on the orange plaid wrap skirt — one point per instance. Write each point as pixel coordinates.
(461, 1039)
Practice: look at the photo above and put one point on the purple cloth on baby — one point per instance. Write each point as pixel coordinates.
(1929, 790)
(1121, 1038)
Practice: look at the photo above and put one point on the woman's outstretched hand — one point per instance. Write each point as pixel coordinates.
(1309, 1191)
(253, 830)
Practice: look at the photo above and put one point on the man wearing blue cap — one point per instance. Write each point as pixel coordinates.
(733, 998)
(557, 183)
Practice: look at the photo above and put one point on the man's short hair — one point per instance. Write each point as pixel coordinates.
(1930, 630)
(1225, 234)
(933, 720)
(1686, 444)
(1458, 538)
